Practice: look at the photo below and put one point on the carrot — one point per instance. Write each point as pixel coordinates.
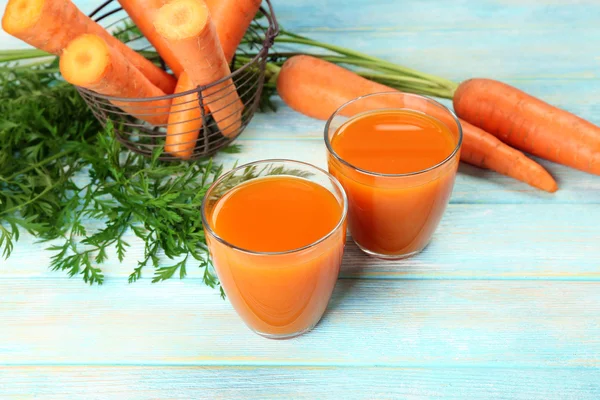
(90, 62)
(185, 120)
(483, 150)
(232, 19)
(529, 124)
(50, 25)
(318, 88)
(190, 32)
(142, 13)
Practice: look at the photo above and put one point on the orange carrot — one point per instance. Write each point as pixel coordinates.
(483, 150)
(529, 124)
(90, 62)
(185, 120)
(50, 25)
(232, 19)
(317, 88)
(190, 32)
(142, 13)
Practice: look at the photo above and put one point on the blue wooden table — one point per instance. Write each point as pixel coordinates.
(505, 302)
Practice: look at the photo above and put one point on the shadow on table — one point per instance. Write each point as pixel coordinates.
(357, 267)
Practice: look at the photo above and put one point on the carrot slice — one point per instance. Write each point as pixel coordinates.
(90, 62)
(190, 32)
(50, 25)
(185, 120)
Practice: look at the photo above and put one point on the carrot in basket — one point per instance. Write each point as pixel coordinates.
(187, 27)
(185, 120)
(50, 25)
(529, 124)
(232, 19)
(90, 62)
(317, 88)
(142, 13)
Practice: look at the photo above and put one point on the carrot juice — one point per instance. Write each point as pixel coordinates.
(276, 241)
(397, 166)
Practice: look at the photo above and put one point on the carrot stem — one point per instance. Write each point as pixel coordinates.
(18, 56)
(399, 82)
(366, 64)
(297, 39)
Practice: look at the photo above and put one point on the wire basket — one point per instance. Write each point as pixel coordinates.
(247, 78)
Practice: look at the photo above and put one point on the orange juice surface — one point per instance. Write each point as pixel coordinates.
(278, 294)
(394, 216)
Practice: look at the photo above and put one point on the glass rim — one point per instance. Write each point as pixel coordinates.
(406, 174)
(335, 182)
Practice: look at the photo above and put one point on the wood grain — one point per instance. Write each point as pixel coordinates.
(393, 323)
(474, 241)
(505, 302)
(124, 383)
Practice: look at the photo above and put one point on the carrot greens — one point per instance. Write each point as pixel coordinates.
(60, 172)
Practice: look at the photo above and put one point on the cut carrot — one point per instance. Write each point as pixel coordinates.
(317, 88)
(232, 19)
(50, 25)
(185, 120)
(90, 62)
(529, 124)
(187, 27)
(142, 13)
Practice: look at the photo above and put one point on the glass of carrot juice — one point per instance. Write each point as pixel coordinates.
(396, 155)
(276, 231)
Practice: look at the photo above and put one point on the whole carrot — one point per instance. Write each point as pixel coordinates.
(185, 120)
(529, 124)
(188, 29)
(50, 25)
(142, 13)
(232, 18)
(90, 62)
(483, 150)
(317, 88)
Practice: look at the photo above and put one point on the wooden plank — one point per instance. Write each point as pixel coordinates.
(474, 241)
(385, 323)
(298, 383)
(495, 38)
(483, 15)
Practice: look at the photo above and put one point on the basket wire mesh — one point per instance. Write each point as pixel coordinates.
(247, 78)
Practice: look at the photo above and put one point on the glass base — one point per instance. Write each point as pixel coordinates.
(389, 257)
(275, 336)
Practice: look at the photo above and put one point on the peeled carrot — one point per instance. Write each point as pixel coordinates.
(529, 124)
(185, 120)
(90, 62)
(142, 13)
(50, 25)
(187, 27)
(232, 19)
(318, 88)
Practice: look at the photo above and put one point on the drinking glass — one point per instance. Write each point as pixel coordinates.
(393, 216)
(282, 294)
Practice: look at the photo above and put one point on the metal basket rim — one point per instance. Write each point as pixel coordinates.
(270, 34)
